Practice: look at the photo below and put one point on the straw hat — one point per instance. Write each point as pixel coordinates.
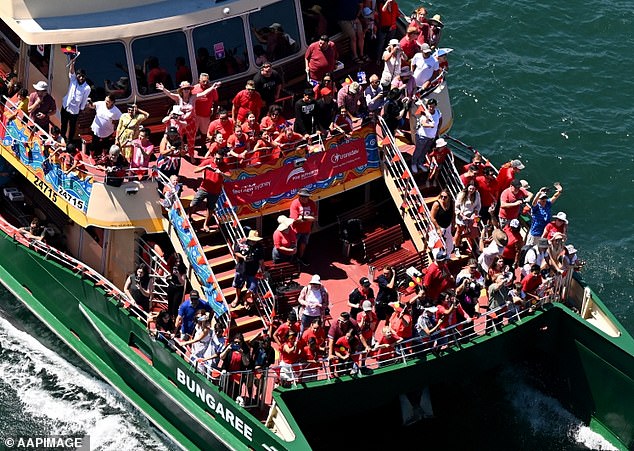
(436, 21)
(500, 237)
(254, 236)
(40, 86)
(184, 85)
(284, 222)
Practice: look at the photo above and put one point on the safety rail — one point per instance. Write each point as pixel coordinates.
(449, 178)
(157, 269)
(234, 233)
(413, 202)
(184, 230)
(252, 388)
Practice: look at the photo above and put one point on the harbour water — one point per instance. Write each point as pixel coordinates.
(547, 83)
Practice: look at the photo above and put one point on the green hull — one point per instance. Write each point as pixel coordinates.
(593, 373)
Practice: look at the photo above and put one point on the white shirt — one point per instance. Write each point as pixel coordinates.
(75, 99)
(429, 132)
(425, 68)
(102, 125)
(489, 254)
(392, 67)
(314, 302)
(370, 93)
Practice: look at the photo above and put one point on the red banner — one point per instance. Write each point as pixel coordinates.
(317, 167)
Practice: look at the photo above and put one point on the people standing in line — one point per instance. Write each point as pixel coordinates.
(74, 101)
(303, 212)
(103, 125)
(41, 105)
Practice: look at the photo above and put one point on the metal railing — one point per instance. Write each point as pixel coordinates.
(234, 233)
(157, 269)
(399, 171)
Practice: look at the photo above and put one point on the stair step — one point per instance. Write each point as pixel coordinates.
(247, 324)
(222, 263)
(225, 278)
(212, 250)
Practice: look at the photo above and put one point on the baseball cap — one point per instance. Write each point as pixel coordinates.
(364, 281)
(367, 306)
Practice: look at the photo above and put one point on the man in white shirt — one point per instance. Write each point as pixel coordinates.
(374, 96)
(75, 100)
(103, 126)
(427, 128)
(425, 67)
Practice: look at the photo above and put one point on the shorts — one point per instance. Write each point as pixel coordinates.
(201, 195)
(239, 280)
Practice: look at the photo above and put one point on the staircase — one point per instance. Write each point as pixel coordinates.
(405, 191)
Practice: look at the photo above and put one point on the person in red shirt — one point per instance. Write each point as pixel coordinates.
(507, 173)
(401, 322)
(487, 187)
(437, 158)
(217, 145)
(303, 211)
(388, 15)
(368, 322)
(511, 251)
(320, 58)
(317, 332)
(531, 282)
(273, 122)
(288, 140)
(264, 151)
(239, 145)
(438, 278)
(559, 224)
(281, 333)
(311, 359)
(284, 240)
(223, 124)
(210, 187)
(251, 128)
(204, 104)
(511, 201)
(290, 355)
(419, 20)
(341, 123)
(409, 43)
(385, 347)
(246, 101)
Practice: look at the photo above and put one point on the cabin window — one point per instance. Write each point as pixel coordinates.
(106, 69)
(221, 48)
(163, 58)
(274, 31)
(40, 55)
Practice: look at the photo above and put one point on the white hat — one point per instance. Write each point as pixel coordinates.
(440, 142)
(432, 309)
(366, 306)
(394, 42)
(571, 249)
(353, 87)
(40, 86)
(515, 223)
(561, 216)
(524, 184)
(315, 279)
(517, 164)
(425, 48)
(284, 222)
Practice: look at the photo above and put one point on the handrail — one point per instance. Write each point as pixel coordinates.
(226, 216)
(402, 176)
(157, 269)
(205, 275)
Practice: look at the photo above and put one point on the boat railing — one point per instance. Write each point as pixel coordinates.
(449, 178)
(252, 388)
(413, 200)
(184, 230)
(75, 266)
(157, 268)
(234, 233)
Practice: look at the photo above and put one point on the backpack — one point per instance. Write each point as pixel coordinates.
(523, 251)
(352, 230)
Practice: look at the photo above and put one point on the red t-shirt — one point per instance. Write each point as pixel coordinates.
(410, 47)
(387, 352)
(297, 210)
(509, 197)
(292, 356)
(205, 103)
(398, 325)
(247, 102)
(286, 239)
(226, 128)
(251, 130)
(514, 240)
(320, 336)
(272, 126)
(551, 228)
(505, 176)
(212, 180)
(389, 17)
(531, 282)
(321, 61)
(367, 327)
(437, 280)
(487, 187)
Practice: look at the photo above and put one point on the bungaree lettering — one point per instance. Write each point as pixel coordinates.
(216, 406)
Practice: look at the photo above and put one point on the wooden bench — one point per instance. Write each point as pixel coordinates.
(368, 214)
(281, 273)
(383, 243)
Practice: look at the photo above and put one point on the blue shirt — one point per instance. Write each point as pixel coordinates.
(188, 313)
(540, 216)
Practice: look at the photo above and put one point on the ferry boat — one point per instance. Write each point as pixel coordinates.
(97, 233)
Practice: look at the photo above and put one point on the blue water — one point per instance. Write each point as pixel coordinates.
(550, 84)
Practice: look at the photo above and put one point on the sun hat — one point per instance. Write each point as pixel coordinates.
(315, 279)
(525, 184)
(443, 51)
(366, 306)
(500, 237)
(353, 87)
(284, 222)
(303, 192)
(571, 249)
(561, 216)
(393, 42)
(40, 86)
(515, 223)
(367, 12)
(440, 142)
(184, 85)
(254, 236)
(436, 21)
(316, 9)
(557, 236)
(517, 164)
(542, 242)
(425, 48)
(406, 71)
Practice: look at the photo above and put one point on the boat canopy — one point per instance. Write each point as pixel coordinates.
(80, 21)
